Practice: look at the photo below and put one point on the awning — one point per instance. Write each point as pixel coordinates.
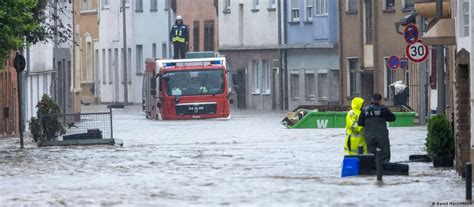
(442, 33)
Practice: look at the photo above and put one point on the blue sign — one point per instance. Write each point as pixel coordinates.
(404, 63)
(411, 34)
(393, 62)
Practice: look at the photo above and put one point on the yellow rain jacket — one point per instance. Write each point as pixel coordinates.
(354, 132)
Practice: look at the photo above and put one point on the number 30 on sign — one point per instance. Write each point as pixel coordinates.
(417, 52)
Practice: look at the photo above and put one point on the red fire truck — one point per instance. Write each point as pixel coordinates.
(186, 89)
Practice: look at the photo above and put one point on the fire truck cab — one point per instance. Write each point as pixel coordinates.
(186, 89)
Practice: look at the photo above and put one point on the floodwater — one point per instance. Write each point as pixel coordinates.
(248, 160)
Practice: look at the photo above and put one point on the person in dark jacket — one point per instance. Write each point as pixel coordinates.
(374, 118)
(179, 37)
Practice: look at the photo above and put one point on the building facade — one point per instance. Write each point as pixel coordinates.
(50, 67)
(201, 17)
(87, 30)
(367, 39)
(311, 52)
(147, 26)
(463, 86)
(249, 39)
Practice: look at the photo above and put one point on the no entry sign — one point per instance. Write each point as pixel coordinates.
(417, 52)
(393, 62)
(411, 34)
(404, 63)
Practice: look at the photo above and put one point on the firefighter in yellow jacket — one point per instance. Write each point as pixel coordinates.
(354, 132)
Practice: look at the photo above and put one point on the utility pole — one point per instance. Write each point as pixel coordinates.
(441, 110)
(125, 73)
(422, 92)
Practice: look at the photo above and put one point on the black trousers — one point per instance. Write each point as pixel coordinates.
(180, 49)
(379, 141)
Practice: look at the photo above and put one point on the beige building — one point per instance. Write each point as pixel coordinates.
(87, 29)
(367, 39)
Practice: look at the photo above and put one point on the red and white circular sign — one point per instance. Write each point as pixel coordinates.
(417, 52)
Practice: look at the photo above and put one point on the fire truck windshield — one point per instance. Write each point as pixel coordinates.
(194, 82)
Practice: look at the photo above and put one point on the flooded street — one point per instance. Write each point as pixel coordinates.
(250, 159)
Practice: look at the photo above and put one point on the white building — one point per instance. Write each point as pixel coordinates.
(43, 60)
(147, 36)
(248, 37)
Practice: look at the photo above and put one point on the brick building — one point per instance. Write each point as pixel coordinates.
(8, 101)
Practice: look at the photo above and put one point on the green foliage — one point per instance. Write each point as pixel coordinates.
(440, 140)
(47, 127)
(25, 20)
(35, 129)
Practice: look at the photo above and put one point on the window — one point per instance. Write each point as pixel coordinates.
(271, 4)
(88, 61)
(129, 65)
(321, 7)
(368, 22)
(138, 5)
(295, 11)
(351, 6)
(256, 76)
(226, 6)
(104, 67)
(209, 35)
(409, 4)
(105, 4)
(96, 64)
(167, 5)
(139, 60)
(390, 77)
(295, 85)
(323, 86)
(153, 50)
(266, 80)
(86, 4)
(352, 67)
(163, 50)
(256, 5)
(116, 66)
(309, 10)
(309, 82)
(153, 5)
(110, 65)
(389, 5)
(196, 36)
(465, 11)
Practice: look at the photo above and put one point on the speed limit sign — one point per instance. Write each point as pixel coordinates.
(417, 52)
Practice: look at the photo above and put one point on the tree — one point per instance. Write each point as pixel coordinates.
(27, 21)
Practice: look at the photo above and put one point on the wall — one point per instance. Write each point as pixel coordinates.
(321, 29)
(260, 28)
(149, 27)
(110, 37)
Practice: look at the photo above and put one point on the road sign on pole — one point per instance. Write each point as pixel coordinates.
(417, 52)
(411, 34)
(393, 62)
(404, 63)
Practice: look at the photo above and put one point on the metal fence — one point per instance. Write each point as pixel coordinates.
(76, 126)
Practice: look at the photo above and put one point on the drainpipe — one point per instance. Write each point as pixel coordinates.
(285, 54)
(441, 110)
(422, 84)
(280, 54)
(341, 59)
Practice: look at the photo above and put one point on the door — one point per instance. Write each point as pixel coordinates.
(238, 80)
(367, 85)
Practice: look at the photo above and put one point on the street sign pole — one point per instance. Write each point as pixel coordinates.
(19, 63)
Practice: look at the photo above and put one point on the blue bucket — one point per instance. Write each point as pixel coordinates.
(350, 167)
